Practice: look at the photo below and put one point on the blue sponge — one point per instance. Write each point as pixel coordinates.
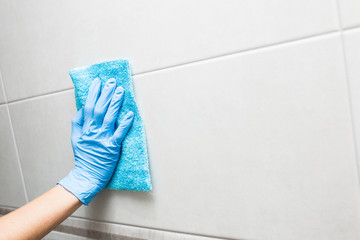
(132, 171)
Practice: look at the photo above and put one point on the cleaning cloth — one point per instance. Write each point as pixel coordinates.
(132, 171)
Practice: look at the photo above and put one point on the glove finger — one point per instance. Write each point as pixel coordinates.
(103, 102)
(93, 95)
(123, 128)
(113, 110)
(77, 123)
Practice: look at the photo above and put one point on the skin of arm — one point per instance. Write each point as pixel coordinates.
(37, 218)
(96, 145)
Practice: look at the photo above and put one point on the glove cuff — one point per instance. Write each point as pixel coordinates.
(82, 188)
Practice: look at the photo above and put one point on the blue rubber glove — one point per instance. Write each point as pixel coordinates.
(95, 142)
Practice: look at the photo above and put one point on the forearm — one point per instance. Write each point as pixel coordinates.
(96, 144)
(40, 216)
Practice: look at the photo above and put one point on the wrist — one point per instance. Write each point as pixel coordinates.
(82, 187)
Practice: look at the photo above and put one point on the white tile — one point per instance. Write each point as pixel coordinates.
(253, 146)
(42, 129)
(44, 39)
(11, 188)
(352, 46)
(349, 11)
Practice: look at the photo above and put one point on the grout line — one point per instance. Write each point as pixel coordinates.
(170, 67)
(352, 120)
(351, 27)
(41, 95)
(248, 50)
(85, 232)
(150, 228)
(14, 141)
(2, 206)
(10, 209)
(217, 57)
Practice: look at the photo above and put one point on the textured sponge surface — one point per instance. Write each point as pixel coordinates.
(132, 171)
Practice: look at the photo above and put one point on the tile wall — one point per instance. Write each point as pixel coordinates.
(251, 110)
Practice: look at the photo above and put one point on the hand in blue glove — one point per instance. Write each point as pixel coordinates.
(95, 142)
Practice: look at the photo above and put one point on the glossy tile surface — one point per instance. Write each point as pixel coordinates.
(42, 128)
(352, 46)
(42, 40)
(11, 188)
(250, 146)
(349, 12)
